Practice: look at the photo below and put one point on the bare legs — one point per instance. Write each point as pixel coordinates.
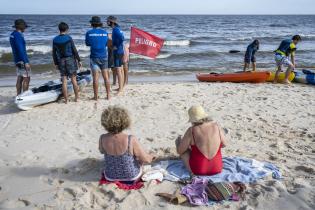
(114, 76)
(65, 88)
(126, 68)
(120, 80)
(75, 87)
(287, 74)
(105, 74)
(246, 66)
(95, 84)
(22, 83)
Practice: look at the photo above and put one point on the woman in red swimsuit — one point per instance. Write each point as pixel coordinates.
(200, 148)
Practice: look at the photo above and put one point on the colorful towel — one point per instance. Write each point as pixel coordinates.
(123, 185)
(235, 169)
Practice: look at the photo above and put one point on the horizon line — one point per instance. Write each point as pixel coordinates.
(156, 14)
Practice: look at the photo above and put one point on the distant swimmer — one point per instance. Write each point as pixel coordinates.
(18, 45)
(286, 49)
(250, 55)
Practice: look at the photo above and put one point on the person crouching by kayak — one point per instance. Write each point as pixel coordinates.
(18, 45)
(287, 48)
(118, 50)
(66, 59)
(250, 55)
(97, 39)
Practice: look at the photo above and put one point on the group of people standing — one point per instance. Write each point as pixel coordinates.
(107, 51)
(284, 56)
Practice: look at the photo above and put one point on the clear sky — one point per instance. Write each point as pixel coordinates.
(157, 7)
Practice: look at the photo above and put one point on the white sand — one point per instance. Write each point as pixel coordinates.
(49, 156)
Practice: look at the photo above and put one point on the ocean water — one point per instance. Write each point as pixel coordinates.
(193, 43)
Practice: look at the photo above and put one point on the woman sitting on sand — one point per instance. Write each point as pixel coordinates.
(123, 153)
(200, 148)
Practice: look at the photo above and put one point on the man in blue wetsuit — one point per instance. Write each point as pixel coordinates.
(66, 59)
(286, 49)
(118, 50)
(250, 55)
(96, 39)
(18, 45)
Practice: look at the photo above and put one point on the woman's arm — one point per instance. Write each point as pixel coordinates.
(139, 152)
(222, 137)
(100, 145)
(184, 143)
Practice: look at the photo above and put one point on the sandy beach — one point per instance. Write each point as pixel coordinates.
(49, 156)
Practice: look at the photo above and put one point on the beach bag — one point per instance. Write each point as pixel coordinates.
(225, 191)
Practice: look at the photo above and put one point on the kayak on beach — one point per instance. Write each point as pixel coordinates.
(251, 77)
(281, 77)
(49, 92)
(305, 77)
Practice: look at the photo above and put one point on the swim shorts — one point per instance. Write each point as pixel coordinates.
(21, 70)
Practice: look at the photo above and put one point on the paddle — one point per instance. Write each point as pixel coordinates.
(234, 51)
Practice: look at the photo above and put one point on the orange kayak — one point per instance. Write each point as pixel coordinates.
(252, 77)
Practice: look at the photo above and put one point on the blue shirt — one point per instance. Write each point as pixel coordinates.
(251, 50)
(63, 47)
(97, 39)
(118, 40)
(18, 46)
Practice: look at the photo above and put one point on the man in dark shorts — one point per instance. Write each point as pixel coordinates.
(250, 55)
(18, 45)
(66, 59)
(118, 50)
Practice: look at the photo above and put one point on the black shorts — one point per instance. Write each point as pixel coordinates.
(68, 66)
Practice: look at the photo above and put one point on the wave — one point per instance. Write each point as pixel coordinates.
(177, 43)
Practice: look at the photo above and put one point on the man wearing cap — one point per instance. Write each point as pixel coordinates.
(118, 49)
(96, 39)
(18, 45)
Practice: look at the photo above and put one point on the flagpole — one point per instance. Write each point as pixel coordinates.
(129, 56)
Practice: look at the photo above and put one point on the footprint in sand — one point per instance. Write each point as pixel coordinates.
(305, 169)
(14, 204)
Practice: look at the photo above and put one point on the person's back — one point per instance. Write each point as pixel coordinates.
(200, 148)
(62, 45)
(207, 138)
(97, 39)
(123, 154)
(286, 47)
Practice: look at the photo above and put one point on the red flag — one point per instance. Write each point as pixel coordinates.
(143, 43)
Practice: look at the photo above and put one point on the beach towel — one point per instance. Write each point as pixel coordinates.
(235, 169)
(123, 185)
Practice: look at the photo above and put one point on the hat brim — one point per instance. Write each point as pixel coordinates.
(26, 26)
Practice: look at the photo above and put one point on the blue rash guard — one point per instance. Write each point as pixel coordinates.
(18, 46)
(63, 47)
(250, 53)
(118, 41)
(97, 39)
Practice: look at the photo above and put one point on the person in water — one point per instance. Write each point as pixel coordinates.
(18, 45)
(118, 50)
(200, 148)
(250, 55)
(97, 39)
(66, 60)
(286, 49)
(123, 153)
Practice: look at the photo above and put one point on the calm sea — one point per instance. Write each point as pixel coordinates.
(193, 43)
